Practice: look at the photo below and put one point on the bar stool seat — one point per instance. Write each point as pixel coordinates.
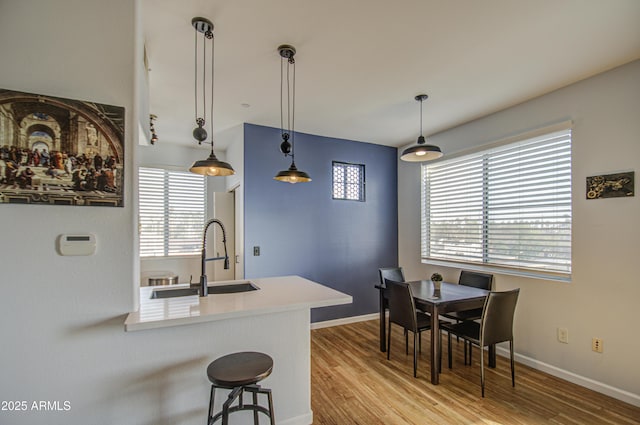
(240, 372)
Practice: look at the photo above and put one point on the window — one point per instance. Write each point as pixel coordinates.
(348, 181)
(508, 207)
(173, 207)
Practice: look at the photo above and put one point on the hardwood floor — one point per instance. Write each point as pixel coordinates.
(353, 383)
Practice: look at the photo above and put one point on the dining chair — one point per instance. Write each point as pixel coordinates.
(402, 312)
(476, 280)
(496, 325)
(391, 273)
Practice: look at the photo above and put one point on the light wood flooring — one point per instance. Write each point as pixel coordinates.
(353, 383)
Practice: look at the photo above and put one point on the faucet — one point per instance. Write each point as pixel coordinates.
(203, 289)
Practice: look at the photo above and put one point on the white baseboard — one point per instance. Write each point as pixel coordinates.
(600, 387)
(306, 419)
(344, 321)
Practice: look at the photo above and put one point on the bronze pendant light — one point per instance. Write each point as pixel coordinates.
(291, 175)
(422, 151)
(211, 166)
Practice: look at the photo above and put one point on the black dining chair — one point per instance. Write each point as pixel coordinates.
(391, 273)
(476, 280)
(402, 312)
(496, 325)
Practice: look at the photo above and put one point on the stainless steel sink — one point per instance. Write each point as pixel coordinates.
(230, 288)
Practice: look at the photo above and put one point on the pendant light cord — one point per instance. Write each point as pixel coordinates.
(195, 77)
(291, 99)
(293, 112)
(281, 97)
(212, 86)
(421, 116)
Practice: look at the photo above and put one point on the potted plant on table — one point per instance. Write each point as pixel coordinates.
(436, 278)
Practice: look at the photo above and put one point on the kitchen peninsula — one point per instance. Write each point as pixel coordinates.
(274, 319)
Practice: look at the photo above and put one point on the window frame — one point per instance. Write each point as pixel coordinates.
(494, 266)
(361, 183)
(168, 173)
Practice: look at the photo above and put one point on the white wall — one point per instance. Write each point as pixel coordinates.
(602, 299)
(62, 318)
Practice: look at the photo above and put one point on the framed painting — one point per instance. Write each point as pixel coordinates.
(610, 185)
(58, 151)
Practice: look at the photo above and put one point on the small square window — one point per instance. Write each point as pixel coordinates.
(348, 181)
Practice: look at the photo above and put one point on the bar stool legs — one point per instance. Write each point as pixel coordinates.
(238, 393)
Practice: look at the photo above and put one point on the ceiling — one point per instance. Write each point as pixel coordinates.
(359, 63)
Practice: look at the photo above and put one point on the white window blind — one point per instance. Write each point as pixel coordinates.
(508, 207)
(172, 212)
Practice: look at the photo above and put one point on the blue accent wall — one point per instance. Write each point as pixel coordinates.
(302, 231)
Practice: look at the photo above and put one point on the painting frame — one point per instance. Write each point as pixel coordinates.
(616, 185)
(59, 151)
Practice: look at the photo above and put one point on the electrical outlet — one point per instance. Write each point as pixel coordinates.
(596, 345)
(256, 251)
(563, 335)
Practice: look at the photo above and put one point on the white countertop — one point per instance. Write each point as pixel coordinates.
(276, 294)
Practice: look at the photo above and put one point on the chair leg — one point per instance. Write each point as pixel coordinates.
(256, 421)
(440, 351)
(470, 353)
(389, 340)
(211, 404)
(415, 354)
(449, 349)
(481, 369)
(406, 342)
(272, 417)
(513, 372)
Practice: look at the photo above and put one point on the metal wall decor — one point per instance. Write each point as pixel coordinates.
(611, 185)
(152, 129)
(60, 151)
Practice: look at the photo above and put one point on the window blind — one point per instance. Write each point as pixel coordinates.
(172, 212)
(509, 206)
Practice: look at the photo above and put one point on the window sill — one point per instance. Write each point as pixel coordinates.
(533, 274)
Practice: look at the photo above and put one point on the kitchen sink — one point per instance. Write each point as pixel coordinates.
(230, 288)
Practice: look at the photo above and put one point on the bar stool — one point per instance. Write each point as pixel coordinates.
(240, 372)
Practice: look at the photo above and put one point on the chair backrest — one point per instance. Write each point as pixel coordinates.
(497, 317)
(391, 273)
(402, 308)
(475, 279)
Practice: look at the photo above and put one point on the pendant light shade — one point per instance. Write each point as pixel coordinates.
(211, 166)
(292, 174)
(422, 151)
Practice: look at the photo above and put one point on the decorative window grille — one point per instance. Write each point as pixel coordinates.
(348, 181)
(172, 212)
(508, 208)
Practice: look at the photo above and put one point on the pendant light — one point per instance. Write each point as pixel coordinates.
(210, 166)
(291, 175)
(421, 151)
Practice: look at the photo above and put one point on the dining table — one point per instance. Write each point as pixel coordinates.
(450, 297)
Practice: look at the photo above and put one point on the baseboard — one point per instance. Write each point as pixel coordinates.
(589, 383)
(306, 419)
(344, 321)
